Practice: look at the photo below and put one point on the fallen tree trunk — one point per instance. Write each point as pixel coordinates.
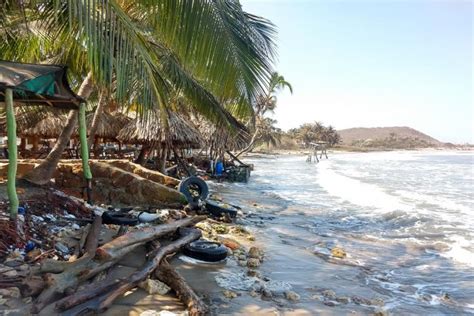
(85, 267)
(92, 240)
(143, 235)
(118, 288)
(168, 275)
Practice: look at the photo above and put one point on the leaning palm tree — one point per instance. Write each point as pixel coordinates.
(268, 101)
(265, 102)
(144, 51)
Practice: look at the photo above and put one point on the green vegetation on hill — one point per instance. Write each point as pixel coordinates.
(387, 137)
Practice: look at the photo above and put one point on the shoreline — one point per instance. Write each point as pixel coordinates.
(302, 245)
(283, 152)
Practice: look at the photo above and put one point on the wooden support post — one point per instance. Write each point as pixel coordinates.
(12, 154)
(85, 151)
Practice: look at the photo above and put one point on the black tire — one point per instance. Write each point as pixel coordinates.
(194, 189)
(218, 211)
(118, 219)
(205, 250)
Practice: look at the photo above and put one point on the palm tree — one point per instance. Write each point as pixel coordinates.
(144, 51)
(264, 103)
(269, 134)
(268, 101)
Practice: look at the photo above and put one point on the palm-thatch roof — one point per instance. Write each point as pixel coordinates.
(110, 124)
(46, 124)
(50, 126)
(180, 134)
(221, 138)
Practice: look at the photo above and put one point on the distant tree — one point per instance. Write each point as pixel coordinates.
(314, 132)
(269, 134)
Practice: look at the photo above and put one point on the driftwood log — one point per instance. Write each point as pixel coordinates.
(166, 274)
(142, 236)
(89, 303)
(68, 275)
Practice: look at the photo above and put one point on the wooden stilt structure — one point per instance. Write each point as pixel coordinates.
(313, 155)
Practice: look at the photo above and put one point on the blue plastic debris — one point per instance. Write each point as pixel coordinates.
(30, 245)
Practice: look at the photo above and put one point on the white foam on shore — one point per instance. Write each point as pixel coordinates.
(459, 251)
(358, 192)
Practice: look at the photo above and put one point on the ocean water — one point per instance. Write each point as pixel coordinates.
(405, 220)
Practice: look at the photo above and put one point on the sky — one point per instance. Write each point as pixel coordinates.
(372, 63)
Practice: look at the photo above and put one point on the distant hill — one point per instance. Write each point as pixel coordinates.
(387, 137)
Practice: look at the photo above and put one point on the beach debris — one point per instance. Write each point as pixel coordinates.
(330, 294)
(220, 229)
(163, 215)
(230, 243)
(239, 230)
(175, 281)
(253, 263)
(253, 273)
(361, 300)
(205, 226)
(32, 255)
(13, 292)
(343, 299)
(10, 273)
(292, 296)
(101, 296)
(266, 293)
(150, 312)
(255, 253)
(61, 247)
(242, 263)
(154, 287)
(338, 252)
(229, 294)
(206, 250)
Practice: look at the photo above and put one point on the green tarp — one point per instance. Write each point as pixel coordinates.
(37, 84)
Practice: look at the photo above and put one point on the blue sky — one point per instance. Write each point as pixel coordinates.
(375, 63)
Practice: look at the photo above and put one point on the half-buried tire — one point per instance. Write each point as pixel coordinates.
(205, 251)
(116, 218)
(194, 189)
(217, 210)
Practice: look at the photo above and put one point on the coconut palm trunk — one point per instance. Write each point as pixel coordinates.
(95, 120)
(251, 144)
(43, 173)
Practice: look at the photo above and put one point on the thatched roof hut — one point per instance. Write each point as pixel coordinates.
(150, 131)
(219, 138)
(33, 123)
(110, 124)
(50, 126)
